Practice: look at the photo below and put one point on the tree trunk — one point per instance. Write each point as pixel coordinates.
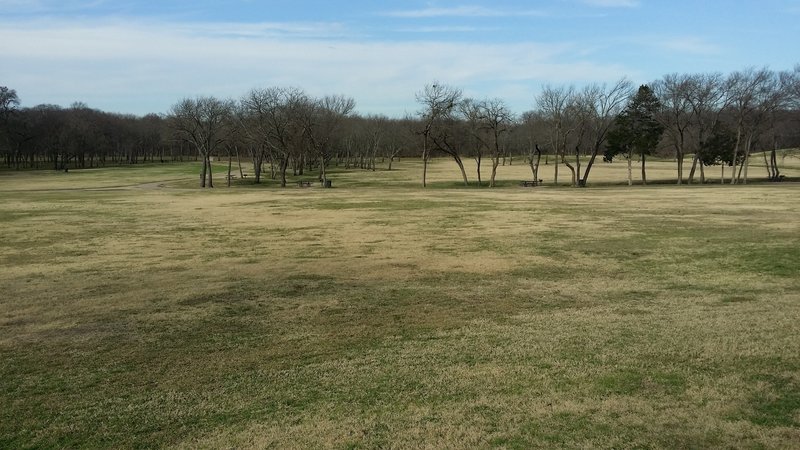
(230, 166)
(736, 152)
(478, 160)
(239, 162)
(571, 169)
(495, 162)
(767, 166)
(555, 177)
(702, 175)
(630, 169)
(585, 178)
(746, 162)
(424, 167)
(461, 166)
(284, 166)
(644, 172)
(203, 173)
(323, 174)
(209, 173)
(695, 159)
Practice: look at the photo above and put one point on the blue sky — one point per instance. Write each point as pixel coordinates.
(137, 57)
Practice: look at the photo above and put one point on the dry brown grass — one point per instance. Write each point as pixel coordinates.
(398, 317)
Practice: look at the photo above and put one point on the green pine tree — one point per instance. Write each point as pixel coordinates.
(636, 130)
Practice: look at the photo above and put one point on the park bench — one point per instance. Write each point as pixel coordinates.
(527, 183)
(303, 183)
(230, 177)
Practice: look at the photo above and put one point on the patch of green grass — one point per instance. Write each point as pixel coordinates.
(777, 405)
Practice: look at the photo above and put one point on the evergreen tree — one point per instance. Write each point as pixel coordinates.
(636, 130)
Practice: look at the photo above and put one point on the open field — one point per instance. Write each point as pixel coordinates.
(378, 314)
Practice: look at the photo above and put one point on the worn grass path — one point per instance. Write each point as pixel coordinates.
(369, 315)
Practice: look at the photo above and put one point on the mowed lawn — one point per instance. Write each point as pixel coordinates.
(139, 311)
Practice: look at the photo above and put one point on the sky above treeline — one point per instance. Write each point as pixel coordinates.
(139, 57)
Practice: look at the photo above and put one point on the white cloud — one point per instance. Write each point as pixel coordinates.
(145, 67)
(690, 45)
(461, 11)
(613, 3)
(444, 29)
(48, 6)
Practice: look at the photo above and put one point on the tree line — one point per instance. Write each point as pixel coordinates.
(720, 120)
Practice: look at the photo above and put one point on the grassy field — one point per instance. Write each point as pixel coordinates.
(139, 311)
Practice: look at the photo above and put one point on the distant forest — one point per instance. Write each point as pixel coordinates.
(711, 118)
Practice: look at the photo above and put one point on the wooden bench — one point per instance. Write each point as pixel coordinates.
(230, 177)
(527, 183)
(303, 183)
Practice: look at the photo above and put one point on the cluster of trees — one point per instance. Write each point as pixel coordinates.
(719, 120)
(49, 136)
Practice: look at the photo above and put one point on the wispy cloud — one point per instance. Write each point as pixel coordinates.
(266, 29)
(153, 65)
(462, 11)
(444, 29)
(689, 45)
(613, 3)
(49, 6)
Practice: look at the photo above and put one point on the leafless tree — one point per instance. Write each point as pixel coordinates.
(201, 122)
(676, 113)
(554, 102)
(755, 95)
(439, 104)
(596, 106)
(471, 114)
(496, 119)
(276, 119)
(708, 96)
(322, 119)
(533, 128)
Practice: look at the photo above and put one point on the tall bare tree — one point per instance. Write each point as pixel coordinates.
(321, 121)
(277, 122)
(439, 104)
(496, 119)
(201, 122)
(554, 103)
(597, 105)
(676, 114)
(709, 98)
(471, 114)
(755, 95)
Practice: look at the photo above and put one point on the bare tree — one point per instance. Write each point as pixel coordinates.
(201, 122)
(321, 121)
(532, 123)
(439, 103)
(676, 113)
(755, 96)
(277, 122)
(553, 102)
(708, 96)
(597, 106)
(471, 114)
(496, 119)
